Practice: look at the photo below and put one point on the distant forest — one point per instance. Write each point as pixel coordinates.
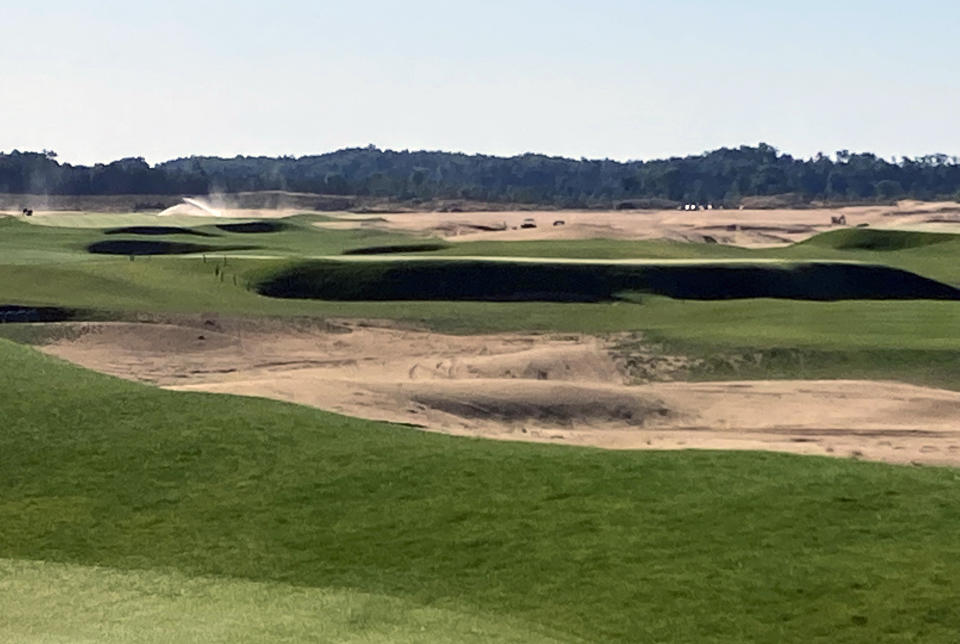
(725, 176)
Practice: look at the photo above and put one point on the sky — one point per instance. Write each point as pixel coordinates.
(620, 79)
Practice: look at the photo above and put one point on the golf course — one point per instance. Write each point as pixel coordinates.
(305, 426)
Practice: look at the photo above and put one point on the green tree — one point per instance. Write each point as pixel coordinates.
(888, 189)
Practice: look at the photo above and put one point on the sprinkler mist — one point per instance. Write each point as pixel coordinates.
(202, 206)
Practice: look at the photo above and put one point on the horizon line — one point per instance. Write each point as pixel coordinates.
(832, 156)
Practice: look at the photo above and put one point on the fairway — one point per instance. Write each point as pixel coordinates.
(50, 602)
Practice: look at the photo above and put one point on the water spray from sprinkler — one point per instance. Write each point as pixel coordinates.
(202, 206)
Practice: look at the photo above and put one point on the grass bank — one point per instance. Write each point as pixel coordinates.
(575, 543)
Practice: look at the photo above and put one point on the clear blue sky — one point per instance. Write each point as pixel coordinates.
(621, 79)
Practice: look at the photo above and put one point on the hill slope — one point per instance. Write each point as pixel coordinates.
(582, 543)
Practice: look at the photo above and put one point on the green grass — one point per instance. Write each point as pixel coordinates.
(49, 602)
(828, 325)
(877, 240)
(929, 254)
(932, 255)
(22, 243)
(597, 249)
(928, 368)
(912, 341)
(134, 514)
(565, 542)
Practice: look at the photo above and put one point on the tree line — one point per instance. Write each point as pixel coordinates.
(723, 176)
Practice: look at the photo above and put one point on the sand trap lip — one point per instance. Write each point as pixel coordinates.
(546, 388)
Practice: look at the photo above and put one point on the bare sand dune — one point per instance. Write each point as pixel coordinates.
(750, 228)
(551, 388)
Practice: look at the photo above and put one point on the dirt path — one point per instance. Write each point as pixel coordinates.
(549, 388)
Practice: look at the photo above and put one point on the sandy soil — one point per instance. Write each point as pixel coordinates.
(566, 389)
(750, 228)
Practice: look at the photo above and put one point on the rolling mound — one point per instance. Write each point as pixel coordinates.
(878, 240)
(154, 247)
(486, 280)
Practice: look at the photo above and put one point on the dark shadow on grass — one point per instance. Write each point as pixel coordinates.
(254, 227)
(157, 230)
(16, 313)
(508, 281)
(397, 248)
(151, 247)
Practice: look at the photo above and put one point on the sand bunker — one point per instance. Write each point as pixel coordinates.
(551, 388)
(749, 228)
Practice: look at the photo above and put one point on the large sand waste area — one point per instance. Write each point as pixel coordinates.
(748, 228)
(564, 389)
